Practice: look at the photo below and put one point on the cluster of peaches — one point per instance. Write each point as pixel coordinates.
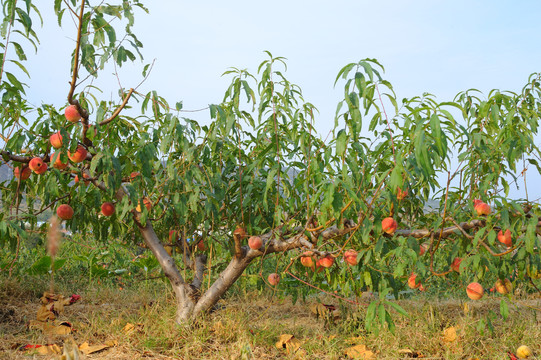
(39, 166)
(474, 290)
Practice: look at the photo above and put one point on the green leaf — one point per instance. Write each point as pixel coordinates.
(504, 309)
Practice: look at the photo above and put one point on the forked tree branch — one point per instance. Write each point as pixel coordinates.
(118, 109)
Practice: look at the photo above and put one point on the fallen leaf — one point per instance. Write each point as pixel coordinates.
(449, 334)
(360, 352)
(288, 342)
(87, 349)
(130, 328)
(411, 353)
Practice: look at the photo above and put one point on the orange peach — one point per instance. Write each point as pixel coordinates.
(505, 238)
(56, 140)
(475, 291)
(79, 155)
(503, 286)
(412, 283)
(389, 225)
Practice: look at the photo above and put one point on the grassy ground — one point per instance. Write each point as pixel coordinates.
(248, 326)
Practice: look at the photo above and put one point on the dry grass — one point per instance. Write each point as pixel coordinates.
(248, 327)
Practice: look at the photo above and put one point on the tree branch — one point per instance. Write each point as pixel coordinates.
(118, 110)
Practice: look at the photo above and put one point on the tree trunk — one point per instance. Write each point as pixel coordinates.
(189, 300)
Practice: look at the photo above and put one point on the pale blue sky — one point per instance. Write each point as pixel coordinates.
(441, 47)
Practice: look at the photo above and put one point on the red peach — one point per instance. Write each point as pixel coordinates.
(58, 164)
(107, 208)
(255, 242)
(389, 225)
(56, 140)
(65, 212)
(79, 155)
(273, 279)
(505, 238)
(37, 165)
(201, 245)
(456, 264)
(412, 283)
(350, 256)
(71, 114)
(327, 261)
(482, 209)
(26, 172)
(306, 259)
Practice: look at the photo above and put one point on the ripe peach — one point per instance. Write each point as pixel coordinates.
(456, 264)
(482, 209)
(422, 249)
(326, 261)
(503, 286)
(389, 225)
(71, 114)
(107, 208)
(255, 242)
(146, 202)
(134, 174)
(477, 202)
(65, 212)
(350, 256)
(505, 238)
(56, 140)
(37, 165)
(400, 195)
(25, 174)
(412, 283)
(79, 155)
(58, 164)
(475, 291)
(201, 245)
(273, 279)
(306, 259)
(85, 176)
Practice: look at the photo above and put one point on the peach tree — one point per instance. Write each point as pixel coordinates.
(258, 184)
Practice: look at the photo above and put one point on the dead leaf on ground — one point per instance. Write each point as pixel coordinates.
(87, 349)
(360, 352)
(130, 328)
(449, 334)
(288, 342)
(411, 354)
